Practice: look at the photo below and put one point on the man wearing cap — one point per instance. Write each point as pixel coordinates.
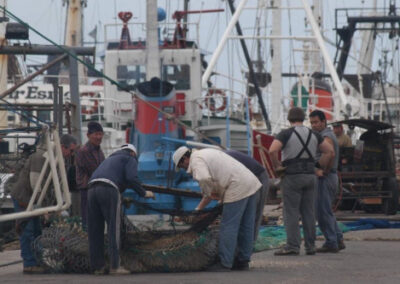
(299, 146)
(87, 159)
(117, 173)
(223, 178)
(342, 138)
(328, 183)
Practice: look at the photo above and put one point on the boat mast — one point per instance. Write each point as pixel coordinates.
(74, 30)
(316, 59)
(364, 62)
(276, 67)
(3, 63)
(152, 44)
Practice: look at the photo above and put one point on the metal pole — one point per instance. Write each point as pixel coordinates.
(60, 110)
(46, 50)
(55, 103)
(251, 70)
(221, 44)
(190, 143)
(228, 130)
(248, 126)
(325, 53)
(76, 123)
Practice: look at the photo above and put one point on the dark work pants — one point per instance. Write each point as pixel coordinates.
(103, 206)
(84, 208)
(298, 200)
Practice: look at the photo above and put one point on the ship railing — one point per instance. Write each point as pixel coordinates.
(118, 114)
(223, 103)
(52, 175)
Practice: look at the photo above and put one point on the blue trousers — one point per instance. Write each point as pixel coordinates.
(237, 230)
(327, 186)
(103, 206)
(32, 229)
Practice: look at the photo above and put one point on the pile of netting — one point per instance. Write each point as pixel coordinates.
(63, 246)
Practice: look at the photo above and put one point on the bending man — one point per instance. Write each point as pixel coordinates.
(117, 173)
(223, 178)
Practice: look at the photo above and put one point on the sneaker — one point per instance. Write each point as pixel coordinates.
(241, 265)
(218, 267)
(34, 270)
(341, 245)
(285, 251)
(325, 249)
(119, 271)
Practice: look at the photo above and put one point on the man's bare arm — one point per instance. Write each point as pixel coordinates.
(327, 156)
(274, 149)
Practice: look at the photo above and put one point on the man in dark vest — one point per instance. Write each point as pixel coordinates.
(299, 146)
(327, 188)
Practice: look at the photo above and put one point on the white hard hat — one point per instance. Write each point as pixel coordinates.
(179, 154)
(129, 147)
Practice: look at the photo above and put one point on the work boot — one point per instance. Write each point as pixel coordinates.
(102, 271)
(119, 271)
(218, 267)
(34, 270)
(310, 252)
(341, 245)
(285, 251)
(240, 265)
(325, 249)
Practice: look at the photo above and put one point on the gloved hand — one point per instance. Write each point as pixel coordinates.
(149, 194)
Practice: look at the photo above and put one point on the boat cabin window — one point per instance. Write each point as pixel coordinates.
(44, 115)
(129, 75)
(178, 75)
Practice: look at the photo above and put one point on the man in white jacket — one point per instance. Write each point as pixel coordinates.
(223, 178)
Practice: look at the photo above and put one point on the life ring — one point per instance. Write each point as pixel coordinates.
(210, 100)
(93, 109)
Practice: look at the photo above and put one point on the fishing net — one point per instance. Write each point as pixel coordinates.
(63, 246)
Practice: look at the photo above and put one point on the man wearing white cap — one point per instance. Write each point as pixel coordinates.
(223, 178)
(115, 174)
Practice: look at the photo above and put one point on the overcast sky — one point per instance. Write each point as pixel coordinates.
(48, 16)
